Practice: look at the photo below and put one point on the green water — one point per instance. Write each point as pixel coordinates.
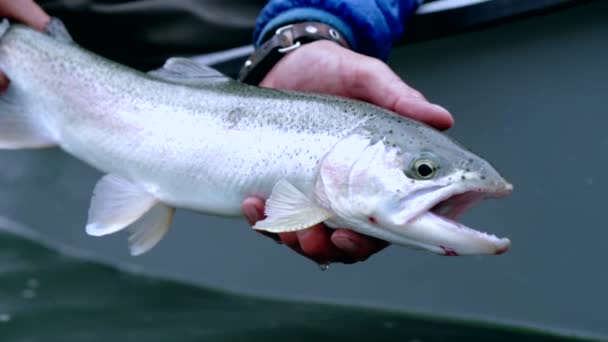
(48, 296)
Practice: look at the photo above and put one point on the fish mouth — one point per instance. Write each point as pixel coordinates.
(436, 228)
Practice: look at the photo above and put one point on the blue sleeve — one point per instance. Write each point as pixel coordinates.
(370, 27)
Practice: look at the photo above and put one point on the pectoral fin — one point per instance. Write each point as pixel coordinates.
(150, 228)
(116, 204)
(288, 210)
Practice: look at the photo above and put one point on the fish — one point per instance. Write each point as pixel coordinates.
(187, 136)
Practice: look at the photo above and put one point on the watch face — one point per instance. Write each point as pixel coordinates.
(436, 18)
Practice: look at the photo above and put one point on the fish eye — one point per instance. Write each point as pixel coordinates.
(424, 168)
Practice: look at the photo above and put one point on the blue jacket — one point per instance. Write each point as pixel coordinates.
(370, 26)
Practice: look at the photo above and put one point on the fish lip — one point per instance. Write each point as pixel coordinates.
(498, 191)
(446, 209)
(455, 204)
(477, 192)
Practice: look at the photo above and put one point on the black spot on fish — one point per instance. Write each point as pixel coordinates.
(235, 116)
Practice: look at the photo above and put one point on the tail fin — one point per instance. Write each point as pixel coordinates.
(20, 124)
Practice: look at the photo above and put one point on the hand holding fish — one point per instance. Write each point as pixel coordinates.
(332, 69)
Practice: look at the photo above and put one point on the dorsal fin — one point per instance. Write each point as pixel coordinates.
(56, 29)
(188, 71)
(4, 26)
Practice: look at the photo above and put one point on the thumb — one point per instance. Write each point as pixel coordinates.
(25, 11)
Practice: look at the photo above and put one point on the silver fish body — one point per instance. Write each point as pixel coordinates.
(185, 136)
(202, 148)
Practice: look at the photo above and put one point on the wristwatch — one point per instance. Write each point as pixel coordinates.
(285, 39)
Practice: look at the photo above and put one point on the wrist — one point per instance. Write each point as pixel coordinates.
(284, 40)
(267, 27)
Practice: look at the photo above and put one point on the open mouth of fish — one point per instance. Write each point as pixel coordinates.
(439, 231)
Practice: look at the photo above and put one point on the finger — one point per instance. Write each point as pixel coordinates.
(3, 82)
(373, 81)
(253, 209)
(291, 240)
(25, 11)
(356, 246)
(421, 110)
(316, 244)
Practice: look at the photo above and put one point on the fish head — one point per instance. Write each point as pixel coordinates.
(409, 188)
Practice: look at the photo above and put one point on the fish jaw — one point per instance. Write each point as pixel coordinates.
(435, 227)
(447, 237)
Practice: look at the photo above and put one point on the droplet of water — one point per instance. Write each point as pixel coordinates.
(324, 267)
(4, 317)
(28, 293)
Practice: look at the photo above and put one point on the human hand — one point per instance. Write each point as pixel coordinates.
(326, 67)
(27, 12)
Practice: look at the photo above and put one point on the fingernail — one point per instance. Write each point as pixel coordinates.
(252, 214)
(346, 244)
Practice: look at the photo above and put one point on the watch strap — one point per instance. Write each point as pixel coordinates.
(285, 39)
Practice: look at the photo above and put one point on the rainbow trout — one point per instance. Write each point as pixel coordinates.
(186, 136)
